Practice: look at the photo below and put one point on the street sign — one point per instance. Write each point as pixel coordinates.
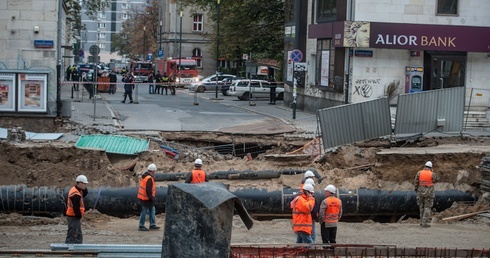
(160, 53)
(94, 50)
(296, 55)
(300, 67)
(149, 57)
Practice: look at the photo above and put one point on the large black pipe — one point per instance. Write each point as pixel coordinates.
(122, 202)
(234, 174)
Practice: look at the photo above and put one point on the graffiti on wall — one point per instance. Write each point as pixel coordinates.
(364, 87)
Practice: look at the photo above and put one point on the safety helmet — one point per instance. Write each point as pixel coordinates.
(152, 167)
(82, 178)
(198, 162)
(309, 188)
(309, 174)
(310, 181)
(428, 164)
(330, 188)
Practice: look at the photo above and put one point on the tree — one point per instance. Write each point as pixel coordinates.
(246, 26)
(139, 33)
(92, 8)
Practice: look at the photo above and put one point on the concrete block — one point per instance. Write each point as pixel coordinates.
(45, 5)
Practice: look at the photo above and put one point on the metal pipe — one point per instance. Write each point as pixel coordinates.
(235, 174)
(122, 202)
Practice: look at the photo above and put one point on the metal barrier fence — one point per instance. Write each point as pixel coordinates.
(476, 109)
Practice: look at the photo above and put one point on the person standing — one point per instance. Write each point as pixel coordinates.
(329, 215)
(165, 83)
(158, 81)
(308, 174)
(146, 194)
(75, 76)
(197, 175)
(272, 95)
(128, 87)
(151, 86)
(113, 81)
(424, 186)
(302, 206)
(75, 210)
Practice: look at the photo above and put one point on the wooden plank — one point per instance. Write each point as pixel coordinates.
(464, 216)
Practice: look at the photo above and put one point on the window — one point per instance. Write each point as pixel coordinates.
(125, 6)
(197, 55)
(326, 10)
(101, 35)
(446, 7)
(102, 25)
(101, 15)
(325, 56)
(124, 16)
(197, 23)
(102, 45)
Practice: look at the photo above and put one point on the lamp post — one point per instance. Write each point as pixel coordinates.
(217, 49)
(161, 25)
(144, 43)
(180, 43)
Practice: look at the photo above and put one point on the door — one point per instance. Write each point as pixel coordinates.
(447, 72)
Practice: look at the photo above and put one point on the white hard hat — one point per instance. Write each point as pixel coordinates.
(309, 174)
(198, 162)
(82, 178)
(152, 167)
(310, 181)
(330, 188)
(309, 188)
(428, 164)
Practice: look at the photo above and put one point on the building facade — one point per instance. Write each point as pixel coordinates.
(34, 39)
(367, 49)
(182, 33)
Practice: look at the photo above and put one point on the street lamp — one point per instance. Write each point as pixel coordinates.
(180, 43)
(161, 25)
(144, 43)
(217, 50)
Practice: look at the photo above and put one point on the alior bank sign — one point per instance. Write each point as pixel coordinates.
(412, 36)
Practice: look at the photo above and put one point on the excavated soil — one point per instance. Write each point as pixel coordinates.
(349, 167)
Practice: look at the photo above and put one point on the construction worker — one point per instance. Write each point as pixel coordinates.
(197, 175)
(165, 83)
(146, 194)
(424, 186)
(75, 210)
(308, 174)
(314, 212)
(302, 206)
(329, 215)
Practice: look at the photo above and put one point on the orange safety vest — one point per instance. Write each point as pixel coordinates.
(142, 190)
(302, 207)
(70, 211)
(425, 178)
(198, 176)
(332, 214)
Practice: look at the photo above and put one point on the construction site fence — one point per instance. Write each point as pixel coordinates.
(320, 251)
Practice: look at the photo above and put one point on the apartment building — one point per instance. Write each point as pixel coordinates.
(355, 49)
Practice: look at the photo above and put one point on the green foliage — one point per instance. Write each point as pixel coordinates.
(246, 26)
(74, 10)
(139, 33)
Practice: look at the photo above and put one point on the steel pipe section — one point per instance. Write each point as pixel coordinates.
(122, 202)
(236, 175)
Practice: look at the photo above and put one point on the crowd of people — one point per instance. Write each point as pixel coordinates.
(306, 211)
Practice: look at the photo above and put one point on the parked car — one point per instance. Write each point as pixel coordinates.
(225, 84)
(246, 89)
(209, 83)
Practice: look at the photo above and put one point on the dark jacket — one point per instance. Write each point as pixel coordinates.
(129, 83)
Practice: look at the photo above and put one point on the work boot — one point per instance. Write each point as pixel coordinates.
(123, 101)
(154, 227)
(142, 229)
(131, 101)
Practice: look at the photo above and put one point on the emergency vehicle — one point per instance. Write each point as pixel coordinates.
(141, 70)
(187, 67)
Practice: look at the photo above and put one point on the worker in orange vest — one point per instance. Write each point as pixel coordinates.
(302, 206)
(75, 210)
(308, 174)
(424, 186)
(329, 215)
(197, 175)
(146, 194)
